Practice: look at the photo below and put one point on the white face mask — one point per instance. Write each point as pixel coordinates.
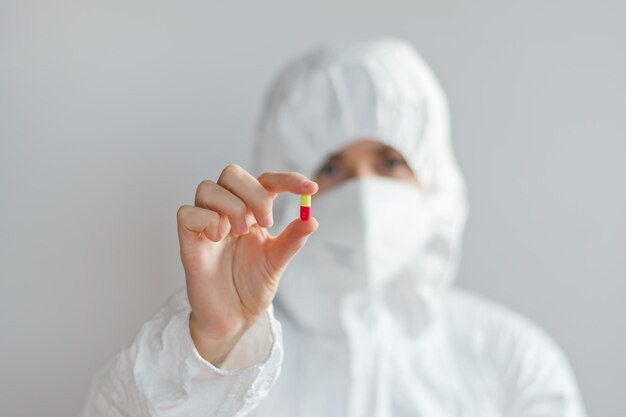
(370, 231)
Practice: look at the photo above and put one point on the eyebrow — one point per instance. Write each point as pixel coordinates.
(385, 149)
(334, 157)
(382, 149)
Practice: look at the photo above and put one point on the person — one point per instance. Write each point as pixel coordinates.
(365, 321)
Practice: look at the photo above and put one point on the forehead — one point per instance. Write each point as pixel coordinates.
(361, 148)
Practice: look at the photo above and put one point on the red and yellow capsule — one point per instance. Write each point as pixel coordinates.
(305, 207)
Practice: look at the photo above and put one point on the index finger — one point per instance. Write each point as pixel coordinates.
(289, 182)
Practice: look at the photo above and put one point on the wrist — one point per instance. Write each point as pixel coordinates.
(214, 349)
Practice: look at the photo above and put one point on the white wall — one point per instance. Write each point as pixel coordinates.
(112, 111)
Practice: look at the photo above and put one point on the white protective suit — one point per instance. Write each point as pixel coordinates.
(365, 322)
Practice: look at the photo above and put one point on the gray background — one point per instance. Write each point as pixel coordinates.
(112, 111)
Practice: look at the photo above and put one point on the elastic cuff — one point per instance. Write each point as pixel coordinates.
(255, 347)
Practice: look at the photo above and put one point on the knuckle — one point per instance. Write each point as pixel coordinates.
(204, 186)
(231, 169)
(204, 193)
(182, 213)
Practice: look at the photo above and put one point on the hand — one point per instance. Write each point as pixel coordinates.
(232, 264)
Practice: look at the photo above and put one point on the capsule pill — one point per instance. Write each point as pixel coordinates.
(305, 207)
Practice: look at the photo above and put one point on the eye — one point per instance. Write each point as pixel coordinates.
(391, 163)
(329, 170)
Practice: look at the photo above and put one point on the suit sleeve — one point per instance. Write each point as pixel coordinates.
(161, 373)
(537, 375)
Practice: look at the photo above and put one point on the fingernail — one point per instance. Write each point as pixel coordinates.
(267, 221)
(313, 185)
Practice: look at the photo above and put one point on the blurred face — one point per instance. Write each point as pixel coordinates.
(360, 159)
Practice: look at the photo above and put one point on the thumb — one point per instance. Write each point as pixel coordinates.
(289, 242)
